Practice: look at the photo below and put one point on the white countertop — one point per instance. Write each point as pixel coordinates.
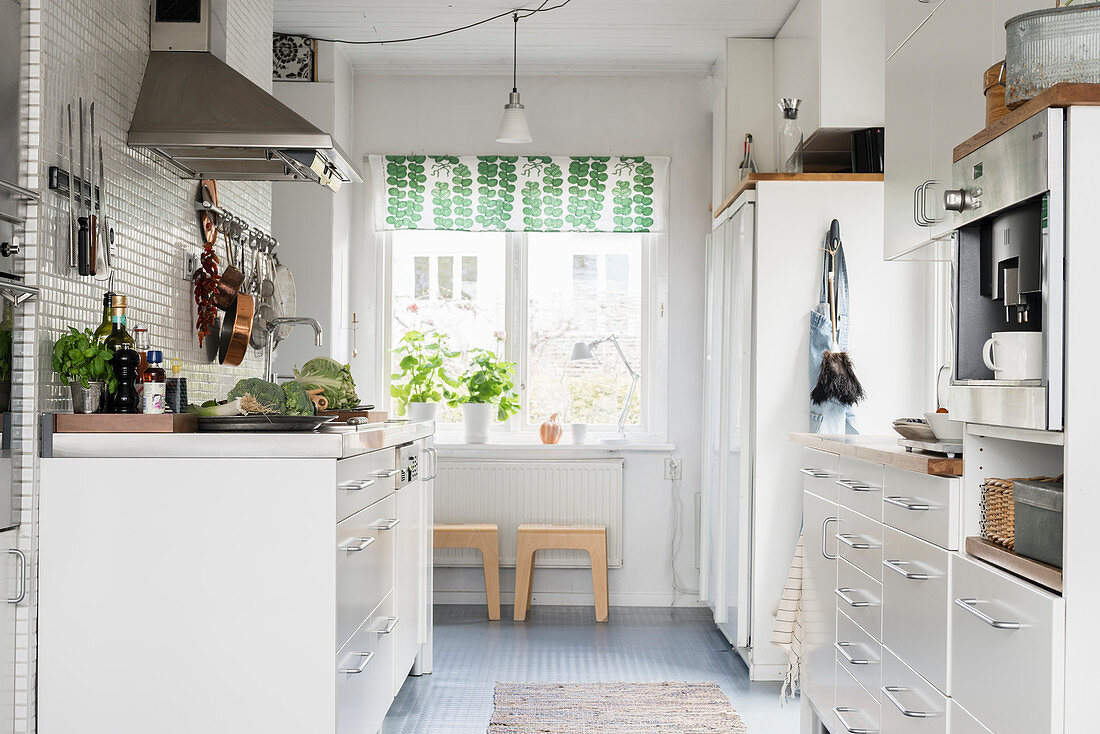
(232, 445)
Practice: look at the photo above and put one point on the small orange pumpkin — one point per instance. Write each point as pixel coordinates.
(550, 431)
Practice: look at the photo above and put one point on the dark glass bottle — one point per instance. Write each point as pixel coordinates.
(119, 336)
(120, 341)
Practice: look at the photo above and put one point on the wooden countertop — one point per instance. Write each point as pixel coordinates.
(754, 178)
(881, 450)
(1066, 94)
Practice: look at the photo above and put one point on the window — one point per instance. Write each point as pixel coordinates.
(531, 297)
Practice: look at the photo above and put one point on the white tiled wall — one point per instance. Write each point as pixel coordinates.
(97, 50)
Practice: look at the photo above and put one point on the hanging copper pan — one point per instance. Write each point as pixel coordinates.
(236, 328)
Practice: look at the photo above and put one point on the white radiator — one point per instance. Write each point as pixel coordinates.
(512, 492)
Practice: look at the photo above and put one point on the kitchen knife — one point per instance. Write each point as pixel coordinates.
(93, 209)
(82, 236)
(72, 183)
(104, 251)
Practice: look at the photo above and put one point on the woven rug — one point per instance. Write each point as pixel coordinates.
(622, 708)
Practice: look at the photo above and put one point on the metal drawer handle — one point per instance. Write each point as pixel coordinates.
(385, 473)
(841, 710)
(842, 648)
(815, 473)
(825, 537)
(354, 545)
(388, 524)
(889, 692)
(906, 503)
(896, 567)
(856, 486)
(391, 625)
(846, 539)
(364, 660)
(968, 605)
(22, 576)
(843, 593)
(354, 485)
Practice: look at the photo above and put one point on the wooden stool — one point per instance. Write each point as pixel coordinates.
(530, 538)
(483, 537)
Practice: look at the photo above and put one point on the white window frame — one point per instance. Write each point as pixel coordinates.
(653, 386)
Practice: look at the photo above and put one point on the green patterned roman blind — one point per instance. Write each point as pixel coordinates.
(495, 193)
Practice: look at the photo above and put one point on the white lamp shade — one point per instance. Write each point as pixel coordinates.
(513, 126)
(581, 350)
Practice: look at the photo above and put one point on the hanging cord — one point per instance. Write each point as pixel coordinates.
(515, 49)
(517, 12)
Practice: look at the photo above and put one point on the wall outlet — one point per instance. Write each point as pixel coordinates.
(191, 263)
(673, 468)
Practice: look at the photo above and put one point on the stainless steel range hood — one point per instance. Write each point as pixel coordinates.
(207, 120)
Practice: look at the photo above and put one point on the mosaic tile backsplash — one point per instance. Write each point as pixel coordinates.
(97, 50)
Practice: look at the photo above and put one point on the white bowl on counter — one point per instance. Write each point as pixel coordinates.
(946, 430)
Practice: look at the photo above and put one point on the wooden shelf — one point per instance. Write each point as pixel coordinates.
(749, 183)
(1043, 574)
(1060, 95)
(125, 423)
(881, 450)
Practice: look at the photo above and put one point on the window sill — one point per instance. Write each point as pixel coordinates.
(454, 444)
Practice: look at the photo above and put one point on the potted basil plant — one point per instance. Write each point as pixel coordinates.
(421, 381)
(84, 366)
(489, 392)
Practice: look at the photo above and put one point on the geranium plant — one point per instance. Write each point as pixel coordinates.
(489, 380)
(77, 357)
(421, 375)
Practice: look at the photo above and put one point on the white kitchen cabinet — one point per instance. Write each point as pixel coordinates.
(230, 582)
(962, 722)
(837, 71)
(856, 709)
(908, 143)
(910, 705)
(819, 608)
(413, 559)
(858, 653)
(13, 580)
(1007, 650)
(859, 542)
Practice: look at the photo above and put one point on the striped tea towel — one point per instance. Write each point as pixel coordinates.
(787, 633)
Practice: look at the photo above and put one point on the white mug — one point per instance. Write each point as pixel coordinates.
(580, 432)
(1015, 355)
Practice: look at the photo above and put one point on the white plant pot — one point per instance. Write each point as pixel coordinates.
(476, 419)
(422, 411)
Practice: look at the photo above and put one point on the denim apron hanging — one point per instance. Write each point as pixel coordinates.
(830, 416)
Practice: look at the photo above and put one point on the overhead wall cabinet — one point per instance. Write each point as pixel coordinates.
(936, 53)
(763, 278)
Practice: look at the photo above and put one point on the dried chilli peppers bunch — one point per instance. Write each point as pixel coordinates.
(206, 282)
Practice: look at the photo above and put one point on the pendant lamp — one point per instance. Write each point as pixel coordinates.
(513, 126)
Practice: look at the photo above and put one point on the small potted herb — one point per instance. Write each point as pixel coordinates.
(489, 390)
(84, 366)
(421, 381)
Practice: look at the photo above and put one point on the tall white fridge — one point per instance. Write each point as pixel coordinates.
(763, 278)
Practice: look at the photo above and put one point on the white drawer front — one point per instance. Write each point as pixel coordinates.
(859, 541)
(363, 480)
(364, 674)
(922, 505)
(962, 722)
(916, 593)
(860, 597)
(364, 564)
(819, 472)
(855, 709)
(858, 653)
(910, 704)
(1007, 650)
(860, 487)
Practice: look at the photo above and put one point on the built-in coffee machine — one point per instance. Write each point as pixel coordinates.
(1009, 290)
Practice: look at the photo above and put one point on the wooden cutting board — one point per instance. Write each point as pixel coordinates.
(128, 423)
(372, 416)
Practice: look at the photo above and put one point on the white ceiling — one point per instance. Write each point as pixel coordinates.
(587, 36)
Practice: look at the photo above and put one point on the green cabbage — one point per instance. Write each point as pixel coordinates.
(328, 375)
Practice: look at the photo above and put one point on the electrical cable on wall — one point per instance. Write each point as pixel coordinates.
(677, 538)
(520, 13)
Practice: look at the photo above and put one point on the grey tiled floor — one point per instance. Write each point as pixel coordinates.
(565, 644)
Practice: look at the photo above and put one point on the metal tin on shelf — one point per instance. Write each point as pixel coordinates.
(1046, 47)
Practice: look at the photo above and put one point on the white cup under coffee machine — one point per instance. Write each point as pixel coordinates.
(1014, 355)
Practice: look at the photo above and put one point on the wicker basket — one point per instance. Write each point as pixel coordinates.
(998, 516)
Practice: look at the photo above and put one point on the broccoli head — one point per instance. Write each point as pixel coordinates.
(267, 394)
(298, 401)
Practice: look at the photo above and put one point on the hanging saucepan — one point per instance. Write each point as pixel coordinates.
(236, 328)
(232, 277)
